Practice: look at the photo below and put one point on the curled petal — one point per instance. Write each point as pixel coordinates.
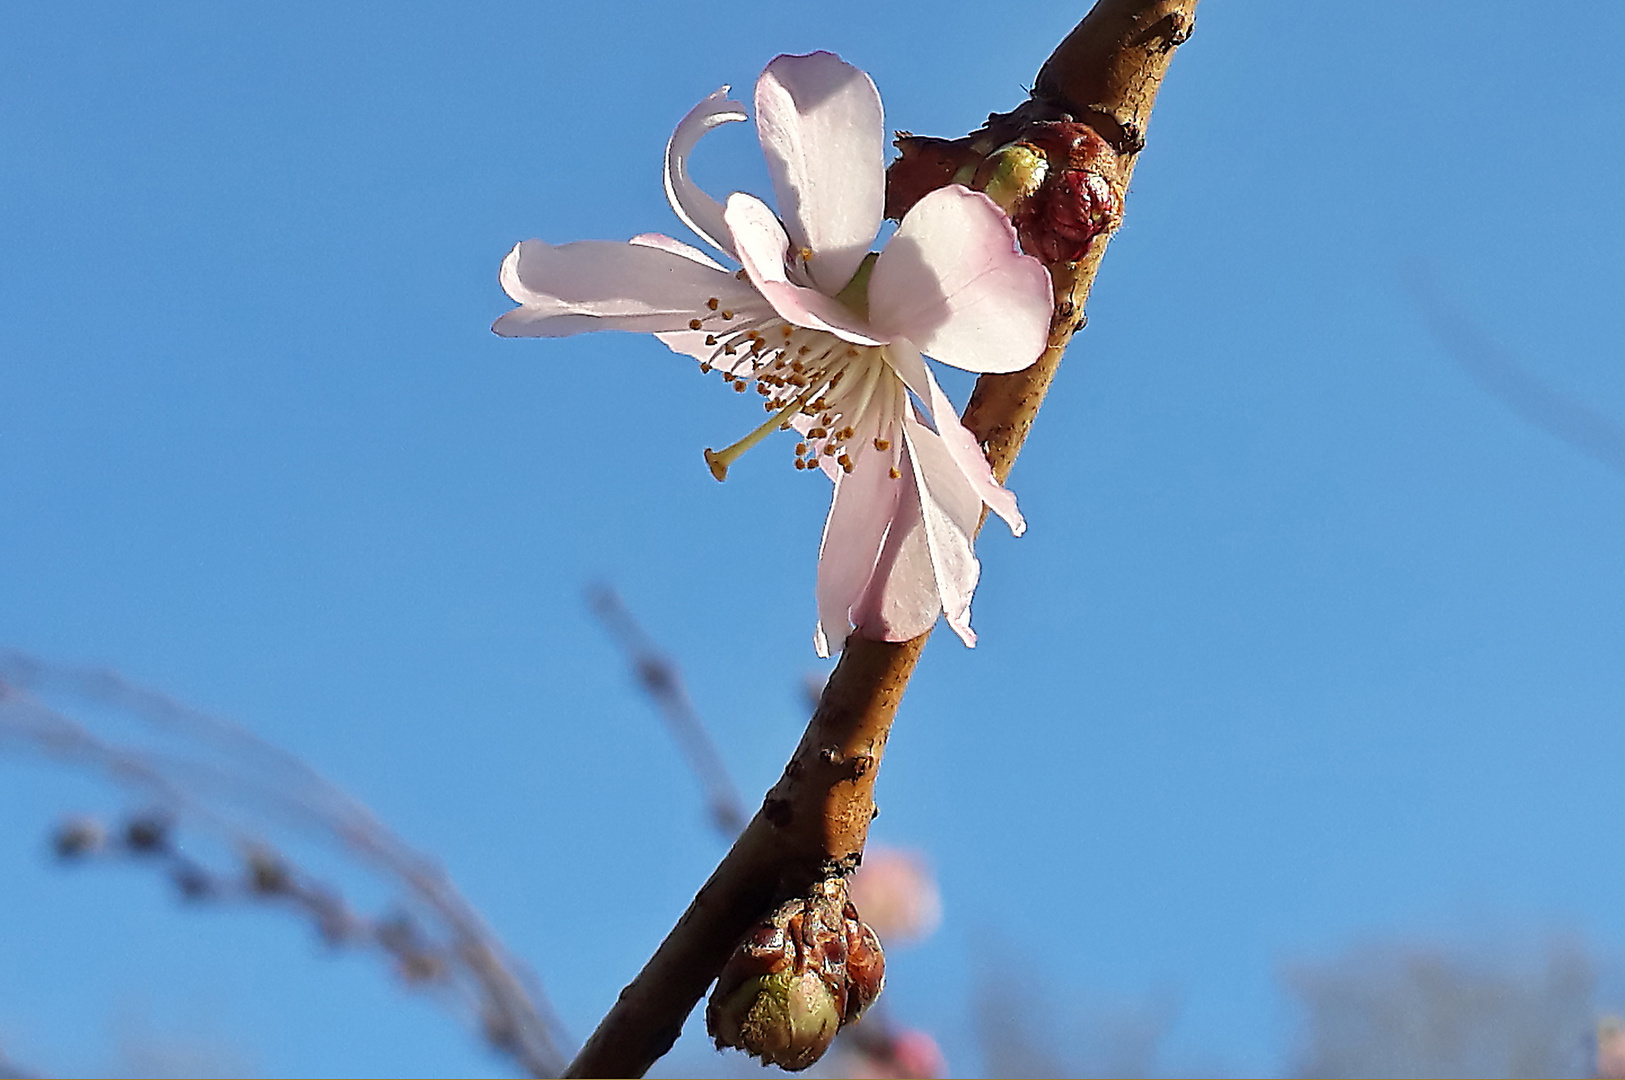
(953, 281)
(698, 210)
(823, 135)
(761, 245)
(957, 441)
(602, 285)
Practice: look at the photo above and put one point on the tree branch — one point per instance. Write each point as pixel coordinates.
(815, 820)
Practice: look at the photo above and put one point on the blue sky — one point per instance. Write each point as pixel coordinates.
(1311, 638)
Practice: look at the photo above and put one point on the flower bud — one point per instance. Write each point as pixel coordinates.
(808, 968)
(78, 836)
(784, 1019)
(1059, 183)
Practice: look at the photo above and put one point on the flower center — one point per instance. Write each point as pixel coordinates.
(840, 396)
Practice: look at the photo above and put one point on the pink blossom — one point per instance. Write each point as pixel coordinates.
(830, 334)
(896, 894)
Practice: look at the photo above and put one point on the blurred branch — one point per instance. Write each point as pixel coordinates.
(660, 679)
(1498, 373)
(221, 770)
(10, 1070)
(815, 820)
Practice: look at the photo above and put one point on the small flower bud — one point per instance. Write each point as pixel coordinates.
(147, 834)
(267, 874)
(808, 968)
(1014, 174)
(77, 837)
(784, 1019)
(1077, 197)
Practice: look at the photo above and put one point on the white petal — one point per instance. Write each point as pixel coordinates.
(953, 281)
(950, 511)
(957, 440)
(761, 245)
(676, 247)
(865, 503)
(901, 602)
(698, 210)
(601, 285)
(693, 342)
(824, 137)
(927, 565)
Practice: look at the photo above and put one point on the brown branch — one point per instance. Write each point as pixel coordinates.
(816, 818)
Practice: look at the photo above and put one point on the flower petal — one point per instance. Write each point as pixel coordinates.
(698, 210)
(900, 600)
(761, 245)
(927, 565)
(824, 137)
(953, 281)
(950, 512)
(957, 440)
(602, 285)
(676, 247)
(864, 505)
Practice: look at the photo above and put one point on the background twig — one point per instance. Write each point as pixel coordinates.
(661, 680)
(224, 779)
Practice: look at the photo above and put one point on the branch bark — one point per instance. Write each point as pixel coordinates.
(815, 820)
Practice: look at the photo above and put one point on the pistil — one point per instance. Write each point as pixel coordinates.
(719, 460)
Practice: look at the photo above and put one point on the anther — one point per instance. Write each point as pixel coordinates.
(845, 462)
(726, 315)
(739, 387)
(710, 339)
(895, 475)
(694, 324)
(817, 433)
(705, 367)
(713, 303)
(882, 444)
